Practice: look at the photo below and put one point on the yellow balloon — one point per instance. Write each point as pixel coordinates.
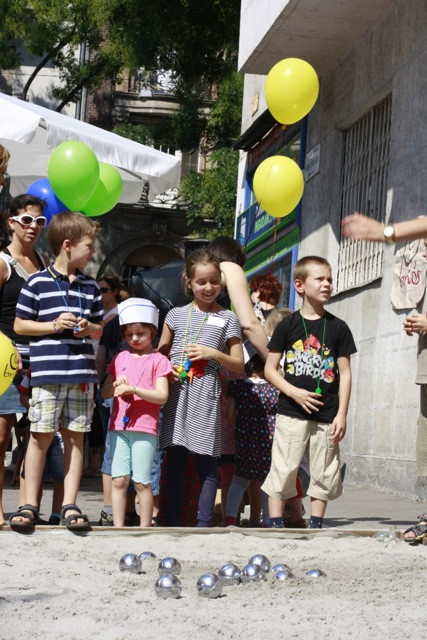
(291, 90)
(8, 363)
(278, 185)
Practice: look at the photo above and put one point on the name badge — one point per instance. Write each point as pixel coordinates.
(216, 321)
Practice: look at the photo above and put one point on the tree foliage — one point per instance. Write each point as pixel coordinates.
(211, 196)
(193, 39)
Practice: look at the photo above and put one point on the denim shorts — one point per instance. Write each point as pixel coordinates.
(9, 400)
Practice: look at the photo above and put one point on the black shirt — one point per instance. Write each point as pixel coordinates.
(308, 364)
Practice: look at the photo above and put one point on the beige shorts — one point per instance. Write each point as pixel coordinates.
(69, 404)
(291, 438)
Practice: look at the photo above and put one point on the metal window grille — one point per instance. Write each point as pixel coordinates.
(364, 188)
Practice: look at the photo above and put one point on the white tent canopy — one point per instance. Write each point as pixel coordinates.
(30, 133)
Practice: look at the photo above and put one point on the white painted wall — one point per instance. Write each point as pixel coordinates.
(380, 444)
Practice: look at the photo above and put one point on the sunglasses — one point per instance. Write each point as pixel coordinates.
(26, 220)
(104, 289)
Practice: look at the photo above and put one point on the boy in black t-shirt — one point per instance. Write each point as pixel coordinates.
(314, 394)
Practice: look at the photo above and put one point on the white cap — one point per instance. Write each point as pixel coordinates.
(138, 310)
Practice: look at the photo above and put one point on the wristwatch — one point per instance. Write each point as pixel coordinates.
(389, 234)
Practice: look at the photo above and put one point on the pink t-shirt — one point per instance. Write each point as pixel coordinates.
(142, 372)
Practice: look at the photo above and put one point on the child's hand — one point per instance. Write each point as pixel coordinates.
(338, 428)
(83, 328)
(120, 380)
(65, 321)
(123, 390)
(200, 352)
(174, 377)
(308, 400)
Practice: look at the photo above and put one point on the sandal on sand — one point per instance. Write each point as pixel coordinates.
(71, 521)
(31, 515)
(419, 530)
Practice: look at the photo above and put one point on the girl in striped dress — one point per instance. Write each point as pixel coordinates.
(201, 338)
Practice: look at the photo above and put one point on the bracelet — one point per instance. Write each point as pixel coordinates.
(55, 328)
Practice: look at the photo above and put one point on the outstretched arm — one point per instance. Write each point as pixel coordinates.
(237, 288)
(360, 227)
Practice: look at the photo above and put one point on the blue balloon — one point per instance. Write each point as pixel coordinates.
(43, 190)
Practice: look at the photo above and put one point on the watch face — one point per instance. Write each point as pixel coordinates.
(389, 232)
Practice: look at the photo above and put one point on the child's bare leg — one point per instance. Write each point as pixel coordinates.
(275, 507)
(6, 423)
(35, 459)
(146, 503)
(318, 508)
(73, 465)
(119, 499)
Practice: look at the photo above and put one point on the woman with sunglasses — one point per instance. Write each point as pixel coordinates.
(18, 260)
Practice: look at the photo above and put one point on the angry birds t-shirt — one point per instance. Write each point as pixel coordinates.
(311, 349)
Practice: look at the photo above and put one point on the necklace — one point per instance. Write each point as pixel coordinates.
(125, 418)
(188, 369)
(55, 279)
(317, 389)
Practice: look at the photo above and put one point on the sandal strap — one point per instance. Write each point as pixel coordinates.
(70, 507)
(29, 507)
(422, 517)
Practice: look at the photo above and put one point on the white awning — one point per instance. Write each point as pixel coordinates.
(30, 133)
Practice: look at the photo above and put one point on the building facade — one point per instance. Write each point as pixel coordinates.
(362, 147)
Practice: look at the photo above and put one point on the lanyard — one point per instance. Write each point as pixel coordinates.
(317, 389)
(55, 279)
(186, 369)
(125, 419)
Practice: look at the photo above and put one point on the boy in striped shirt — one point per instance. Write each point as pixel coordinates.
(61, 309)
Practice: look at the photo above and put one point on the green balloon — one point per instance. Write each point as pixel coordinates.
(107, 191)
(73, 172)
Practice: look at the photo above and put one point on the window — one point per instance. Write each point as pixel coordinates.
(364, 188)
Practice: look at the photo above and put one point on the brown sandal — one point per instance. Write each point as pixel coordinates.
(419, 530)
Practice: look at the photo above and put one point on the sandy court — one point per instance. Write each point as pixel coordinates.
(57, 584)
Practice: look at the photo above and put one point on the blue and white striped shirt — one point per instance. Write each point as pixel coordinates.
(60, 358)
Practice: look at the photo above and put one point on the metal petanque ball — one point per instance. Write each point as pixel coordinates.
(169, 565)
(168, 586)
(147, 555)
(229, 574)
(315, 573)
(282, 575)
(252, 573)
(280, 567)
(130, 562)
(209, 585)
(261, 561)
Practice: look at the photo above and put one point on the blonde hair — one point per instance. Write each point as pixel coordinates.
(273, 319)
(71, 226)
(4, 158)
(302, 266)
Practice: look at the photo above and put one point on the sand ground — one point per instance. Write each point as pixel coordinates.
(59, 584)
